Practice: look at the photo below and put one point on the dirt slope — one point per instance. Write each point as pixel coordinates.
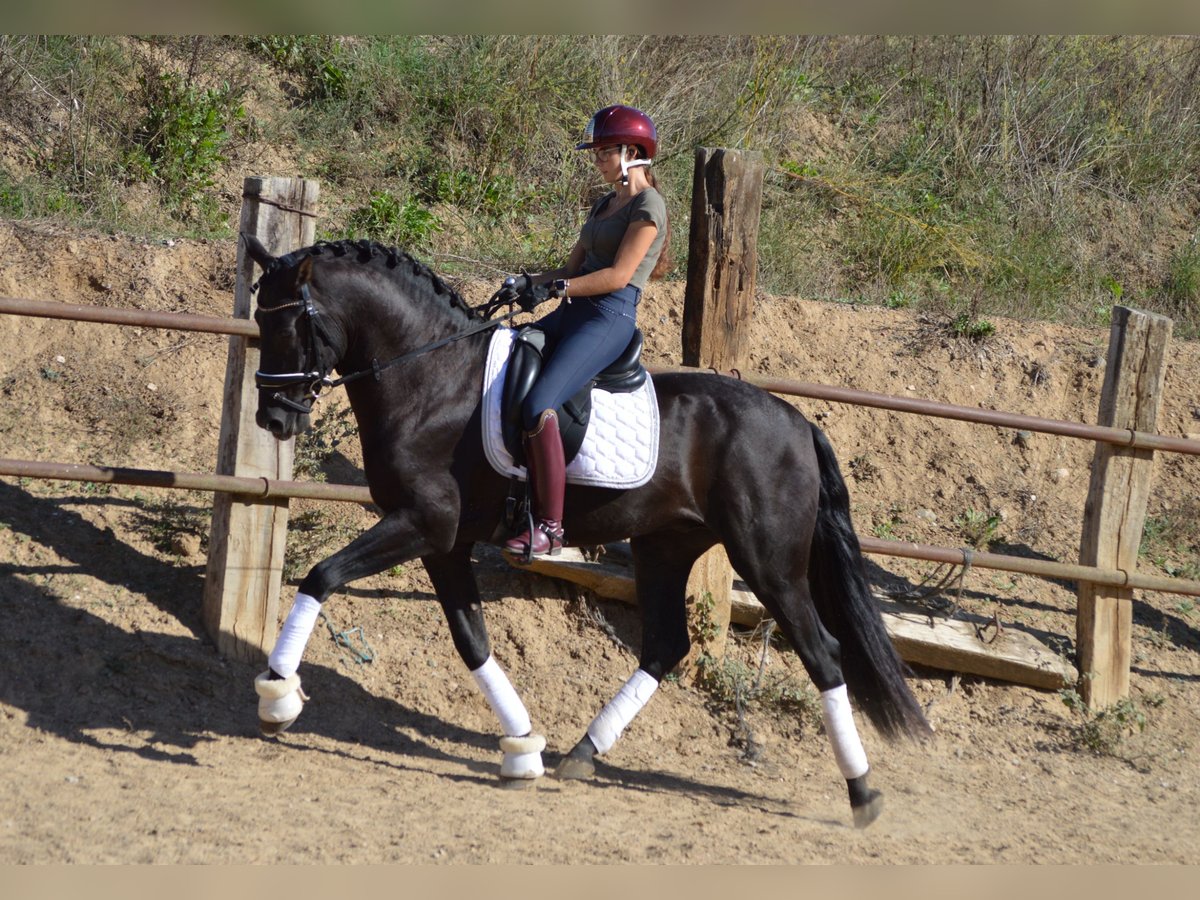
(124, 738)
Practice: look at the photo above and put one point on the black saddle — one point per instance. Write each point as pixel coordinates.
(624, 376)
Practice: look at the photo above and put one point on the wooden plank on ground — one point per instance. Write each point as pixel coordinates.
(967, 645)
(973, 646)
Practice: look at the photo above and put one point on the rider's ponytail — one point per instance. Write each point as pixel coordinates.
(664, 258)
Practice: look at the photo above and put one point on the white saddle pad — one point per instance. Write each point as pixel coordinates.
(620, 449)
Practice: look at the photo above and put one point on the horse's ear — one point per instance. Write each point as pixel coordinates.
(257, 251)
(298, 276)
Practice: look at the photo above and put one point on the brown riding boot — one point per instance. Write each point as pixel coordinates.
(547, 472)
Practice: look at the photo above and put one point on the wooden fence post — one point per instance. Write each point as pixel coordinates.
(718, 302)
(245, 551)
(1116, 505)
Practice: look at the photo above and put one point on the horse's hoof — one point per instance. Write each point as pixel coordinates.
(280, 702)
(273, 729)
(522, 757)
(573, 768)
(517, 784)
(868, 812)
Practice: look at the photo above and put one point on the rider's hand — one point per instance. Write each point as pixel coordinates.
(533, 295)
(515, 284)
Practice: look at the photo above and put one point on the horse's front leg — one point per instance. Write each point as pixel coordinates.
(454, 581)
(394, 539)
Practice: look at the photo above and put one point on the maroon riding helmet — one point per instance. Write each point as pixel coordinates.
(621, 125)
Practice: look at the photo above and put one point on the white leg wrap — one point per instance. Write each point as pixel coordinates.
(502, 698)
(843, 735)
(607, 727)
(293, 637)
(279, 702)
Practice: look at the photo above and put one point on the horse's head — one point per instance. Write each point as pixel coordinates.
(296, 349)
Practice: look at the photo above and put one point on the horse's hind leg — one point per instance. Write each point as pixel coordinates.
(458, 592)
(788, 598)
(662, 564)
(821, 655)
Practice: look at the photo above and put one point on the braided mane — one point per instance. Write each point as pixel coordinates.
(369, 252)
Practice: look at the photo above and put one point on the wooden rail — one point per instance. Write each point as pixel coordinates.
(49, 309)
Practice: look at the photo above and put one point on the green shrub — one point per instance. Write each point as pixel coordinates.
(1104, 731)
(1181, 289)
(390, 220)
(967, 326)
(180, 139)
(978, 528)
(316, 446)
(311, 57)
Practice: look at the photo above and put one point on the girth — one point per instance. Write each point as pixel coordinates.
(625, 375)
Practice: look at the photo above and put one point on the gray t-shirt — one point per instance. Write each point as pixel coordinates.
(602, 237)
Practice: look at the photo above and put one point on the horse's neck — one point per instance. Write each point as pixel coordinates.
(430, 394)
(383, 325)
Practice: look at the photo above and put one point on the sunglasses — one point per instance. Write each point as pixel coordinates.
(601, 153)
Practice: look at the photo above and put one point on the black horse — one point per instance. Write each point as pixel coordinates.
(736, 465)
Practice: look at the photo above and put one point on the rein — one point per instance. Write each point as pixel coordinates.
(317, 380)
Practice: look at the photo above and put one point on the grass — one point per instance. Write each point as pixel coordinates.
(735, 687)
(968, 176)
(1171, 540)
(1103, 732)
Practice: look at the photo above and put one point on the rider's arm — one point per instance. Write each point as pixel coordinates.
(568, 270)
(638, 238)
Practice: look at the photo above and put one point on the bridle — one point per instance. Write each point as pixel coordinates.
(316, 380)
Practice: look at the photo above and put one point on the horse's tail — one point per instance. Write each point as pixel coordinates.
(875, 675)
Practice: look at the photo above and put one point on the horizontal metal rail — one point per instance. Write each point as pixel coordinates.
(1123, 437)
(114, 316)
(1040, 567)
(251, 488)
(267, 488)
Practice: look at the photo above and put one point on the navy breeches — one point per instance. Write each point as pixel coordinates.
(583, 336)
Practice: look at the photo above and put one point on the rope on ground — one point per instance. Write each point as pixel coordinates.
(928, 596)
(344, 640)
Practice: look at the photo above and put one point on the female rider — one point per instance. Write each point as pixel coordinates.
(620, 246)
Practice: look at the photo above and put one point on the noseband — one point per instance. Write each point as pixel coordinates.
(316, 379)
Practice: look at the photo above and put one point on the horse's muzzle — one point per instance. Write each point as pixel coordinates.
(282, 423)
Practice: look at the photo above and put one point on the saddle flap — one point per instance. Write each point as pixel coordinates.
(524, 365)
(619, 449)
(624, 375)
